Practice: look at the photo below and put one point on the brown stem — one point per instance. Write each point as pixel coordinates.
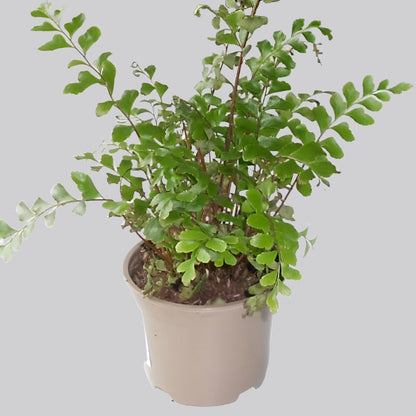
(202, 160)
(235, 91)
(287, 195)
(149, 244)
(185, 131)
(236, 82)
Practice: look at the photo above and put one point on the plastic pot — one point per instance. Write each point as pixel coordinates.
(202, 355)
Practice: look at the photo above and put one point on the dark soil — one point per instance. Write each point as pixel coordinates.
(212, 284)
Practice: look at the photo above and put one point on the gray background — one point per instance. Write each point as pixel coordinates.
(71, 337)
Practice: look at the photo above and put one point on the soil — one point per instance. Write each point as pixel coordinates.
(212, 284)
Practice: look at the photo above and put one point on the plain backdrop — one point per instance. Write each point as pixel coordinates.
(71, 336)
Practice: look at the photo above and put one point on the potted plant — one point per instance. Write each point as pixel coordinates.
(205, 183)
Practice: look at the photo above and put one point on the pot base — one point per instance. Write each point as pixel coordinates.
(187, 401)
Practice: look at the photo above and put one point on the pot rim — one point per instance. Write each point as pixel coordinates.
(239, 304)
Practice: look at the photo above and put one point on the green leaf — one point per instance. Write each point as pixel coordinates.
(41, 11)
(28, 229)
(343, 129)
(383, 96)
(5, 230)
(322, 117)
(350, 93)
(308, 153)
(229, 258)
(80, 209)
(383, 84)
(202, 255)
(89, 38)
(399, 88)
(113, 179)
(290, 273)
(146, 88)
(225, 38)
(24, 213)
(256, 199)
(189, 275)
(86, 79)
(233, 20)
(187, 246)
(187, 196)
(300, 130)
(283, 289)
(269, 279)
(75, 24)
(272, 301)
(259, 221)
(338, 104)
(76, 62)
(268, 187)
(252, 23)
(216, 244)
(279, 86)
(107, 161)
(160, 89)
(117, 208)
(127, 100)
(277, 103)
(45, 27)
(326, 32)
(186, 265)
(40, 206)
(267, 258)
(195, 234)
(372, 104)
(232, 4)
(127, 192)
(360, 117)
(50, 218)
(368, 85)
(216, 22)
(279, 37)
(85, 185)
(154, 231)
(332, 147)
(287, 213)
(57, 42)
(285, 58)
(103, 108)
(309, 36)
(297, 25)
(121, 133)
(6, 252)
(288, 241)
(323, 168)
(298, 45)
(150, 70)
(101, 59)
(60, 194)
(260, 240)
(109, 74)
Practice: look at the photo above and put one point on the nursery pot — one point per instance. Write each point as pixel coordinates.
(202, 355)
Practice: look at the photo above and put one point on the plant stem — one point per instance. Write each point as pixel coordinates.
(149, 244)
(235, 91)
(236, 82)
(291, 187)
(84, 56)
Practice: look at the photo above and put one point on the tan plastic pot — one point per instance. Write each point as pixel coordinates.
(202, 355)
